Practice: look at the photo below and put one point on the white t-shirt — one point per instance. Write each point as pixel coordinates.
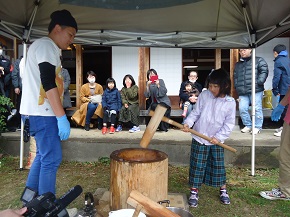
(34, 100)
(21, 68)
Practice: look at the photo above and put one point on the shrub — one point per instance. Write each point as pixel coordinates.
(5, 102)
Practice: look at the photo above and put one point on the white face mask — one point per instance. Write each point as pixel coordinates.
(1, 52)
(193, 80)
(92, 80)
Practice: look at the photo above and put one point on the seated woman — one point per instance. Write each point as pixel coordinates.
(129, 112)
(156, 90)
(91, 99)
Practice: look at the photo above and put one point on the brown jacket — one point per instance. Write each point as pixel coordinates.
(80, 115)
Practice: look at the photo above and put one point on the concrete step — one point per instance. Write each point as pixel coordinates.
(89, 146)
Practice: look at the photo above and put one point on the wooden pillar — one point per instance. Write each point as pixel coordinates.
(79, 73)
(218, 58)
(144, 64)
(234, 57)
(15, 48)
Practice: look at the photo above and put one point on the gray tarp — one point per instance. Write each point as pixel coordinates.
(155, 23)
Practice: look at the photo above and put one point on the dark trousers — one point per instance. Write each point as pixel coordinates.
(163, 126)
(281, 121)
(18, 116)
(108, 116)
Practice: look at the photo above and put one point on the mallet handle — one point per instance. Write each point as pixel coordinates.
(180, 126)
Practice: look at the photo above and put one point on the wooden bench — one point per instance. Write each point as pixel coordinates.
(173, 113)
(175, 110)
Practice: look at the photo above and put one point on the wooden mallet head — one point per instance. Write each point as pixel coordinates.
(152, 125)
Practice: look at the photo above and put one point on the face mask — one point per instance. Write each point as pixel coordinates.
(1, 52)
(91, 80)
(192, 81)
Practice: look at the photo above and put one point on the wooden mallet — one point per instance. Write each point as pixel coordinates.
(180, 126)
(149, 207)
(152, 125)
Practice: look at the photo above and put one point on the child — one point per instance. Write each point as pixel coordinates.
(111, 103)
(214, 117)
(191, 91)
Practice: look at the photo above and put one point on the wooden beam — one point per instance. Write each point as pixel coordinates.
(144, 65)
(218, 58)
(15, 48)
(79, 73)
(234, 57)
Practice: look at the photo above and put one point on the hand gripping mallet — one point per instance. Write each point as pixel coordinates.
(180, 126)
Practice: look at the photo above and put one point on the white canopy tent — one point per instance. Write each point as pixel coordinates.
(155, 23)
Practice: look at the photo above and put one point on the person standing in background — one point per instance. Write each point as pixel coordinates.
(5, 76)
(42, 92)
(243, 86)
(66, 82)
(281, 77)
(17, 84)
(282, 192)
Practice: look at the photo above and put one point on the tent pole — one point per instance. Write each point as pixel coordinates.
(253, 109)
(22, 124)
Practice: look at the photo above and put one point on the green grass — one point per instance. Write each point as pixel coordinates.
(243, 188)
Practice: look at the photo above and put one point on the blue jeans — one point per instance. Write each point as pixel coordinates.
(90, 112)
(244, 105)
(42, 175)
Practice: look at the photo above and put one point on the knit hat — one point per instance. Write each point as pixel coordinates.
(280, 47)
(63, 18)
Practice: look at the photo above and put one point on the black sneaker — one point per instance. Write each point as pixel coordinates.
(193, 198)
(224, 197)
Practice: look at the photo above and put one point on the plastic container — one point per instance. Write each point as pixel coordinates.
(267, 99)
(125, 213)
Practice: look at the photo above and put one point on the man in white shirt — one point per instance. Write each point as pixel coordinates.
(42, 93)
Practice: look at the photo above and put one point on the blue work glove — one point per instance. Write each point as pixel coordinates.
(63, 127)
(276, 113)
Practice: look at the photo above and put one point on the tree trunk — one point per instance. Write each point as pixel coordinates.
(144, 170)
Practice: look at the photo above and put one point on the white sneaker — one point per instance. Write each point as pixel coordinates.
(246, 130)
(278, 134)
(134, 129)
(279, 129)
(255, 131)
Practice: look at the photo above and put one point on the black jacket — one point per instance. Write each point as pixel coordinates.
(5, 63)
(243, 75)
(16, 79)
(183, 95)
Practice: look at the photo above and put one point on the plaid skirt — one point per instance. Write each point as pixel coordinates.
(206, 165)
